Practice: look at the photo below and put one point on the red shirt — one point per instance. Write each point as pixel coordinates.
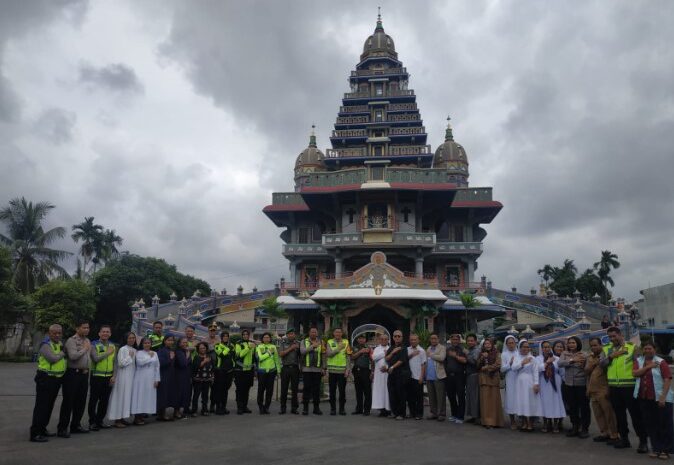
(646, 386)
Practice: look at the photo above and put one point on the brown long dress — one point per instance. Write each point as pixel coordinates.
(491, 408)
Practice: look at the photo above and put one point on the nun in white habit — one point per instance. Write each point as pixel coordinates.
(550, 378)
(508, 358)
(527, 387)
(380, 398)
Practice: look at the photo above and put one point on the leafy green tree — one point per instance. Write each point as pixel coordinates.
(34, 263)
(468, 301)
(607, 262)
(589, 284)
(335, 309)
(89, 234)
(546, 273)
(564, 278)
(13, 305)
(63, 302)
(129, 277)
(419, 310)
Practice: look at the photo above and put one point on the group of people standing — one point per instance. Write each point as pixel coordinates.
(159, 375)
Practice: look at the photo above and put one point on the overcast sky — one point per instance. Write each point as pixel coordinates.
(173, 122)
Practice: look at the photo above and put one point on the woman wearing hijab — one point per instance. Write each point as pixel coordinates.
(119, 407)
(573, 361)
(202, 378)
(183, 367)
(145, 382)
(509, 357)
(550, 380)
(166, 392)
(489, 364)
(528, 398)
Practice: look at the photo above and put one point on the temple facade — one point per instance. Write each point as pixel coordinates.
(380, 227)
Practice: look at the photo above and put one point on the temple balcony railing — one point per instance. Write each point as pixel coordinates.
(349, 133)
(354, 109)
(416, 175)
(402, 106)
(306, 285)
(409, 150)
(378, 72)
(358, 94)
(406, 131)
(353, 119)
(336, 178)
(403, 117)
(287, 198)
(342, 239)
(309, 249)
(473, 194)
(457, 248)
(400, 92)
(347, 152)
(387, 93)
(411, 239)
(456, 287)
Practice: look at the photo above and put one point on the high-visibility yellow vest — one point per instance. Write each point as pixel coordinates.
(619, 371)
(244, 356)
(267, 358)
(307, 357)
(338, 361)
(224, 352)
(157, 341)
(104, 367)
(57, 369)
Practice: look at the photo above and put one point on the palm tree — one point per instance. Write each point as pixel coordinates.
(546, 273)
(468, 301)
(607, 262)
(106, 247)
(420, 310)
(335, 310)
(33, 261)
(90, 235)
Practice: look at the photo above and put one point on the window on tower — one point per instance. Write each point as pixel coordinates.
(378, 115)
(351, 212)
(378, 151)
(406, 214)
(379, 90)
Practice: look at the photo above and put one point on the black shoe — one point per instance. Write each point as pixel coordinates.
(583, 434)
(333, 413)
(622, 444)
(226, 412)
(600, 438)
(240, 412)
(266, 411)
(282, 411)
(94, 428)
(39, 438)
(295, 411)
(573, 433)
(247, 410)
(219, 411)
(212, 409)
(317, 411)
(342, 412)
(643, 447)
(63, 434)
(356, 412)
(78, 430)
(47, 434)
(366, 414)
(305, 412)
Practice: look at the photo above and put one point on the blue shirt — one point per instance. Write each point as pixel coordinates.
(430, 368)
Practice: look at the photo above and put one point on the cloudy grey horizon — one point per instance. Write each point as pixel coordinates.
(173, 122)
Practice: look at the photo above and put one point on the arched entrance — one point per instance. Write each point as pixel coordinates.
(381, 315)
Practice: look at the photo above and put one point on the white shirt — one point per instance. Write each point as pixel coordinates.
(417, 361)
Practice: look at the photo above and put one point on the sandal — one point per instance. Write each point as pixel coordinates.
(119, 424)
(663, 455)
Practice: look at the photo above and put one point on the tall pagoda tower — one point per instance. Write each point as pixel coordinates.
(379, 224)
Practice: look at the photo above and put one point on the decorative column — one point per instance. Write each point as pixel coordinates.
(419, 267)
(338, 267)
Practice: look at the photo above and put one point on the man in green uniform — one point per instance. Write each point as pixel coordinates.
(243, 373)
(102, 377)
(338, 352)
(51, 366)
(268, 365)
(313, 369)
(224, 372)
(157, 336)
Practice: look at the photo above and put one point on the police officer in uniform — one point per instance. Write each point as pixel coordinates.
(244, 372)
(337, 352)
(51, 366)
(156, 336)
(290, 371)
(362, 375)
(103, 354)
(224, 373)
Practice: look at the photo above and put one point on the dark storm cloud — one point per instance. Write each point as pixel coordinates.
(55, 125)
(116, 77)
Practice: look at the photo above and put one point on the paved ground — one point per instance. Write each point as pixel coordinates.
(283, 439)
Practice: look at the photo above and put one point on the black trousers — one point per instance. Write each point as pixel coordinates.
(363, 385)
(200, 389)
(312, 389)
(75, 388)
(220, 390)
(290, 377)
(397, 393)
(455, 385)
(623, 401)
(46, 392)
(658, 422)
(265, 388)
(415, 398)
(579, 407)
(337, 381)
(99, 394)
(243, 381)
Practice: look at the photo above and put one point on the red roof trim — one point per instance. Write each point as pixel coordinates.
(286, 208)
(478, 203)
